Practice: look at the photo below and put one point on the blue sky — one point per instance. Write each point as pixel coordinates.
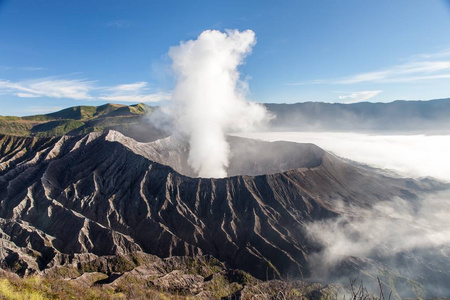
(57, 53)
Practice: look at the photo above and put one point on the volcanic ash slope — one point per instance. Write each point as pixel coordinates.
(106, 194)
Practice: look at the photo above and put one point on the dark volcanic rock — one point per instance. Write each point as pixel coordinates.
(106, 194)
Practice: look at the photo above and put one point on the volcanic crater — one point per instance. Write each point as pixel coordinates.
(73, 198)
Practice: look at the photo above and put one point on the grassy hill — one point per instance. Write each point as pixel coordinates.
(76, 120)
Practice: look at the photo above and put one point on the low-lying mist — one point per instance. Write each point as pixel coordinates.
(409, 155)
(406, 243)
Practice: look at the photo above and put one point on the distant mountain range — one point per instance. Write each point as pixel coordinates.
(398, 116)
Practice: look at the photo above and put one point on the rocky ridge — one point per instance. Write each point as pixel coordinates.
(106, 194)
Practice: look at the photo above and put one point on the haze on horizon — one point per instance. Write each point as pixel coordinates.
(414, 155)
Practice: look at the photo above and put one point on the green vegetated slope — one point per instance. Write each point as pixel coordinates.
(76, 120)
(144, 276)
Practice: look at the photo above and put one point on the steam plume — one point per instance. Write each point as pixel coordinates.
(209, 98)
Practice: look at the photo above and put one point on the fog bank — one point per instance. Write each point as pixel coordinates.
(409, 155)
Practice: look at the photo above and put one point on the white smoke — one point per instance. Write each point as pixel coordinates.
(209, 97)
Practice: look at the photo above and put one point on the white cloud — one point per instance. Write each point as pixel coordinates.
(133, 92)
(421, 67)
(27, 95)
(61, 88)
(50, 87)
(82, 89)
(435, 55)
(358, 96)
(156, 97)
(135, 87)
(32, 69)
(408, 72)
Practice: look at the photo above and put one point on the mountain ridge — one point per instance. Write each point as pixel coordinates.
(95, 195)
(400, 116)
(397, 116)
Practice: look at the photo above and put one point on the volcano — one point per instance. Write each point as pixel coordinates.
(107, 194)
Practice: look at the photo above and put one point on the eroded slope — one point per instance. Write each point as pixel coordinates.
(106, 194)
